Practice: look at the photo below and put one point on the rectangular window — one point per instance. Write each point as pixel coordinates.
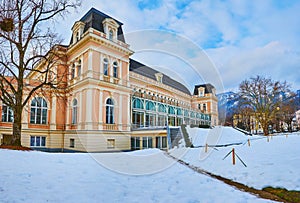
(179, 121)
(111, 143)
(37, 141)
(7, 114)
(161, 142)
(138, 119)
(161, 120)
(147, 142)
(72, 143)
(150, 120)
(135, 143)
(171, 121)
(164, 142)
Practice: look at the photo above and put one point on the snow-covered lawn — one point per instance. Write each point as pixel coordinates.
(62, 177)
(150, 175)
(270, 162)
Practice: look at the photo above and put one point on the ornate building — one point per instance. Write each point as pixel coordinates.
(111, 102)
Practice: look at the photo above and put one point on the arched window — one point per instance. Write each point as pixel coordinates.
(105, 66)
(73, 71)
(137, 104)
(171, 110)
(115, 69)
(111, 34)
(7, 114)
(38, 112)
(79, 68)
(74, 111)
(150, 106)
(179, 112)
(162, 108)
(186, 113)
(109, 111)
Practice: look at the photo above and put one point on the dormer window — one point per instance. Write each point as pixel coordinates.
(159, 77)
(201, 91)
(110, 28)
(111, 34)
(77, 30)
(77, 36)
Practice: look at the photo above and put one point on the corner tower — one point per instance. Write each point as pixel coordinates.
(98, 85)
(205, 100)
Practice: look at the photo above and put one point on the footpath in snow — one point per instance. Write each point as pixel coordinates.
(273, 161)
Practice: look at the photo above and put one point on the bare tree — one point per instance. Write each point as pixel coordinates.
(245, 113)
(263, 95)
(287, 111)
(29, 53)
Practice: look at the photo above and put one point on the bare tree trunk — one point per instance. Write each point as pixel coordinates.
(265, 128)
(15, 138)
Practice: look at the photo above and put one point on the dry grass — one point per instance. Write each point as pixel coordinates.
(15, 147)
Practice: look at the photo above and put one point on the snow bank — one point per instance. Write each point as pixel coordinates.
(43, 177)
(217, 136)
(273, 161)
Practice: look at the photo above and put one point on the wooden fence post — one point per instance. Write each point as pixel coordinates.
(233, 156)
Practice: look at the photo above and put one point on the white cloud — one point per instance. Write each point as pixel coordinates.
(243, 38)
(272, 60)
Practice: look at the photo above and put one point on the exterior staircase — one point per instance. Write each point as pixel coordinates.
(186, 137)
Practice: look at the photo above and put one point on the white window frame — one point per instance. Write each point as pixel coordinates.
(74, 112)
(42, 108)
(115, 69)
(36, 144)
(109, 112)
(105, 66)
(8, 115)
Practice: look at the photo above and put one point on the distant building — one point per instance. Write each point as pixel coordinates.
(297, 122)
(111, 102)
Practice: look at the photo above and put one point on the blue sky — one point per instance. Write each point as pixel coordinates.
(241, 38)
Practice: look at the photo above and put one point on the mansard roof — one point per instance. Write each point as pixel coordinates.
(208, 88)
(94, 18)
(148, 72)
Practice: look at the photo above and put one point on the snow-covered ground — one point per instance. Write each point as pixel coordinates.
(273, 161)
(150, 175)
(57, 177)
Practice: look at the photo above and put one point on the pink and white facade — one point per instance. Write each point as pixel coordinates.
(111, 102)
